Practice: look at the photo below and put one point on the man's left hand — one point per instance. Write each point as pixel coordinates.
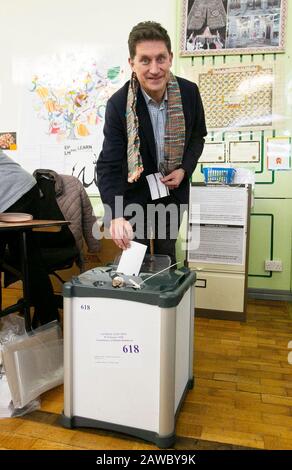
(174, 179)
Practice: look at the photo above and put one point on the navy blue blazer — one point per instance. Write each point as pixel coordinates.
(112, 168)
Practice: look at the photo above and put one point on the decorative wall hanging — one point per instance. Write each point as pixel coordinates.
(211, 27)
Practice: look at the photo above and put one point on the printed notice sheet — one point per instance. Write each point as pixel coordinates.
(218, 224)
(218, 205)
(114, 348)
(220, 245)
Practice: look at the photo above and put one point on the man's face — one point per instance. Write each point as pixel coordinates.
(152, 64)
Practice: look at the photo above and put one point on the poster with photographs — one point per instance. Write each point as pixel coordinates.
(211, 27)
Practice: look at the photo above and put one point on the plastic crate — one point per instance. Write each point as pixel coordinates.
(219, 175)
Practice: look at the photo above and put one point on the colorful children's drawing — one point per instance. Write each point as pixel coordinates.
(74, 110)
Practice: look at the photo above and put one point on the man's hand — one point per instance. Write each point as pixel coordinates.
(174, 179)
(121, 232)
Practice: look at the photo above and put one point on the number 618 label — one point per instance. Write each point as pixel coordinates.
(132, 349)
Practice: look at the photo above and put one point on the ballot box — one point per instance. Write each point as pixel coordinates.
(128, 352)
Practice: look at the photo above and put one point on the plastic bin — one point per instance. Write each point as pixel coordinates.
(34, 363)
(128, 353)
(219, 175)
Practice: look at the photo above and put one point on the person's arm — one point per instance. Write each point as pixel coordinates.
(196, 142)
(111, 171)
(111, 164)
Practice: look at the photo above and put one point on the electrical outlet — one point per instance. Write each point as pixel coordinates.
(274, 265)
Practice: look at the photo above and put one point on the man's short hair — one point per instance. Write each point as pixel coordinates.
(147, 31)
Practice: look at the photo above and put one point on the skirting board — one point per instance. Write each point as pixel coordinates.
(220, 314)
(266, 294)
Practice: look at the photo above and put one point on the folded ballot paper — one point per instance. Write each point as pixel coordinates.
(33, 363)
(131, 259)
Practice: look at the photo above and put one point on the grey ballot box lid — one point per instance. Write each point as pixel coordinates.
(164, 290)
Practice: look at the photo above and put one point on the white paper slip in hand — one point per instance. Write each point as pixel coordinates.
(157, 188)
(132, 259)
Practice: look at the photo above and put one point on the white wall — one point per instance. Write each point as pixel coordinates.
(31, 29)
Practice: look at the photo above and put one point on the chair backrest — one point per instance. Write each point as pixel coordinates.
(58, 248)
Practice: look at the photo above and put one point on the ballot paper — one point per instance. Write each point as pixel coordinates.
(157, 188)
(131, 259)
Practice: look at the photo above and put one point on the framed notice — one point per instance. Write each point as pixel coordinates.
(244, 152)
(214, 152)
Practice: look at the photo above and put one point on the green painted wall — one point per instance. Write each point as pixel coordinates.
(271, 228)
(271, 220)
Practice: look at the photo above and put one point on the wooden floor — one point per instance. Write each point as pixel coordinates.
(242, 394)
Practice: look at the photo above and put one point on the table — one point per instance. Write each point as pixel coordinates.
(23, 228)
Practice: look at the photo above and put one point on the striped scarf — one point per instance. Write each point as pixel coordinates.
(174, 138)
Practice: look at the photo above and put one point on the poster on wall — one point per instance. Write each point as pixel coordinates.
(210, 27)
(8, 141)
(279, 153)
(246, 97)
(62, 113)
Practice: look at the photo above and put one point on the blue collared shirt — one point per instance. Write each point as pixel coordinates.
(158, 113)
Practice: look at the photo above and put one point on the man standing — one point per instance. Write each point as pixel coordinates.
(154, 123)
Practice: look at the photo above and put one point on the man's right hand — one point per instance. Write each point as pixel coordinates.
(121, 232)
